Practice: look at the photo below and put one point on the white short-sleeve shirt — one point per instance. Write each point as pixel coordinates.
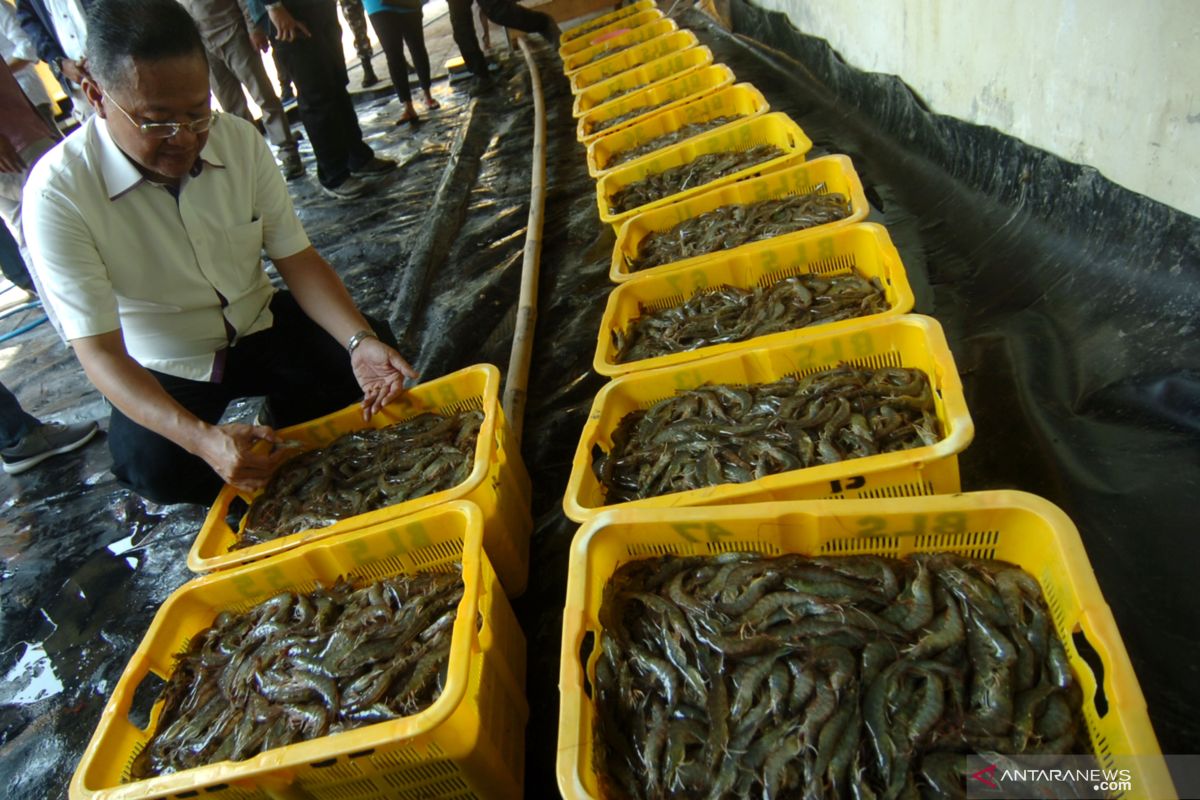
(114, 250)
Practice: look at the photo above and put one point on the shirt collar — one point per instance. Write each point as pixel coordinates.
(120, 174)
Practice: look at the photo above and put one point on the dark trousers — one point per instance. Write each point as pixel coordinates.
(502, 12)
(318, 67)
(395, 30)
(512, 14)
(11, 263)
(299, 367)
(15, 422)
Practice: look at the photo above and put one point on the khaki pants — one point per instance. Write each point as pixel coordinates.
(233, 63)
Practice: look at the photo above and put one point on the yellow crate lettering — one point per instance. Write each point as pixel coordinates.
(950, 523)
(398, 546)
(676, 282)
(246, 586)
(862, 344)
(359, 552)
(825, 249)
(275, 577)
(688, 531)
(769, 260)
(418, 536)
(839, 485)
(872, 526)
(688, 379)
(804, 355)
(699, 279)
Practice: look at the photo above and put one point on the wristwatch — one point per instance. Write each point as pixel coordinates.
(357, 339)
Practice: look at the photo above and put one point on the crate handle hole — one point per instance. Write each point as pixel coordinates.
(1092, 658)
(585, 653)
(237, 510)
(144, 697)
(329, 762)
(873, 198)
(220, 787)
(361, 753)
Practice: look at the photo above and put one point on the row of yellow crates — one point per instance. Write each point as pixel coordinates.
(921, 510)
(472, 738)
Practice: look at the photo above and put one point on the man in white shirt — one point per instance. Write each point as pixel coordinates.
(146, 228)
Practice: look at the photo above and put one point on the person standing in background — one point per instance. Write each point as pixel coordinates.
(507, 13)
(308, 39)
(356, 18)
(21, 56)
(25, 137)
(234, 62)
(398, 23)
(58, 30)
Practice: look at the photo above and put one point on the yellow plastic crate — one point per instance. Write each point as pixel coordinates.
(778, 129)
(866, 248)
(594, 55)
(470, 740)
(1011, 526)
(688, 87)
(834, 173)
(660, 70)
(583, 35)
(910, 341)
(643, 53)
(498, 482)
(741, 100)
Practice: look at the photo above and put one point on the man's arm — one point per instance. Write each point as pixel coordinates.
(229, 449)
(380, 370)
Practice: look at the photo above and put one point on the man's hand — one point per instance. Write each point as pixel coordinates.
(259, 40)
(76, 71)
(287, 27)
(232, 453)
(380, 371)
(10, 159)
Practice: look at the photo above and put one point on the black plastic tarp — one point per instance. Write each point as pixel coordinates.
(1069, 304)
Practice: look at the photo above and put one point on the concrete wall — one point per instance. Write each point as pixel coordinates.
(1113, 84)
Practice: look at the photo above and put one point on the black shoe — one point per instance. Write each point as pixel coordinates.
(290, 163)
(369, 76)
(375, 168)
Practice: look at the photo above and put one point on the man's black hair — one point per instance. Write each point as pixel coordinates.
(143, 30)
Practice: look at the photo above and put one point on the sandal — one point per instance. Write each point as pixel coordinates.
(431, 104)
(408, 116)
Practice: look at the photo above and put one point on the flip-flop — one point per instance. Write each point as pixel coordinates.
(406, 117)
(432, 105)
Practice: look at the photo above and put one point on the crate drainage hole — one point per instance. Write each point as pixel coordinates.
(585, 653)
(1089, 655)
(144, 698)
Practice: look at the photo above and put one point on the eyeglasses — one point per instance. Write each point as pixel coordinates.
(166, 130)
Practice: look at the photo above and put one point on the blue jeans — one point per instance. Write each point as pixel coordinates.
(15, 422)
